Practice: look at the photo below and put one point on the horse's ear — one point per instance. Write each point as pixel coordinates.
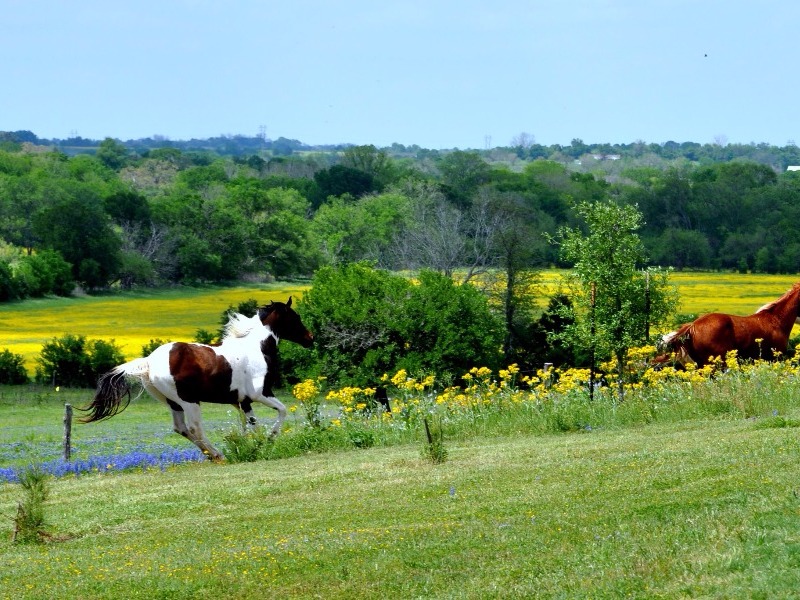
(289, 302)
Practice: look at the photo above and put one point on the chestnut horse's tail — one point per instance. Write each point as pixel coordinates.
(114, 390)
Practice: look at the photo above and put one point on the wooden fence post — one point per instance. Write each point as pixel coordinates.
(548, 375)
(67, 432)
(593, 332)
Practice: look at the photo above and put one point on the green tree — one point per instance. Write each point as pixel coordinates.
(366, 229)
(340, 180)
(371, 161)
(616, 301)
(44, 272)
(463, 173)
(77, 227)
(8, 286)
(112, 153)
(681, 249)
(280, 234)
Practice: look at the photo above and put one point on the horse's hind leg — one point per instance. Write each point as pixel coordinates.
(194, 426)
(246, 406)
(178, 422)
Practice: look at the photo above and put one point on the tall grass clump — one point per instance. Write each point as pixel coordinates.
(246, 445)
(29, 521)
(433, 447)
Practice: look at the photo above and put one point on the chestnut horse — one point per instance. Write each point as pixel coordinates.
(240, 370)
(760, 335)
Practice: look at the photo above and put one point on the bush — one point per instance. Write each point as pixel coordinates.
(150, 346)
(12, 368)
(72, 361)
(368, 322)
(246, 446)
(53, 273)
(8, 286)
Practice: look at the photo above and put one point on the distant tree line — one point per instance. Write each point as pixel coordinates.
(164, 215)
(582, 155)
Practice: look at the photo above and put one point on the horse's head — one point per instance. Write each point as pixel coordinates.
(286, 323)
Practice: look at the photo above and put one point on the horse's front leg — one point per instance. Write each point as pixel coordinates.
(268, 399)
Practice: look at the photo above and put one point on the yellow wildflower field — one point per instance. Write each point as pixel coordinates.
(702, 292)
(131, 320)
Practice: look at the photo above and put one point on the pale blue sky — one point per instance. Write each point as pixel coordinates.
(441, 74)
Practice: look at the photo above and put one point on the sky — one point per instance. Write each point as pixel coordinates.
(441, 74)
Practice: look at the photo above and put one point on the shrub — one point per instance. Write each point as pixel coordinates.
(102, 356)
(148, 348)
(248, 308)
(12, 368)
(239, 445)
(433, 447)
(49, 273)
(367, 322)
(72, 361)
(8, 286)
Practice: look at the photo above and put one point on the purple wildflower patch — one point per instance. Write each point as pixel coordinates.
(110, 463)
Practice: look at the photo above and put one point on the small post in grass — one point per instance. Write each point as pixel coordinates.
(67, 432)
(548, 375)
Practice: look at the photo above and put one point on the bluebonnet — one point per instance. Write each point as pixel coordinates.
(110, 463)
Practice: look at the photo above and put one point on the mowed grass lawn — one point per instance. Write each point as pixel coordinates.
(705, 509)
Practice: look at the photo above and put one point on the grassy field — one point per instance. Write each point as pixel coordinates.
(686, 492)
(696, 509)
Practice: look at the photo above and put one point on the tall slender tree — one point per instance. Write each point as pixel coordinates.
(617, 302)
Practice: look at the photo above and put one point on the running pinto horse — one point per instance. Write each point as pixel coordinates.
(760, 335)
(240, 370)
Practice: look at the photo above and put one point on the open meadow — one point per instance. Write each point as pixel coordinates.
(706, 508)
(686, 489)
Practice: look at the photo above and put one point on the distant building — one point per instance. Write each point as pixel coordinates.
(793, 168)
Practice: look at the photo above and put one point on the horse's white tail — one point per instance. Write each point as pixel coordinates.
(114, 390)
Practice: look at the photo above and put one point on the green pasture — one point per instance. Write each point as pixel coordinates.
(704, 508)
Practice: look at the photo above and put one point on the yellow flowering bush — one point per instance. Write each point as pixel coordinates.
(308, 393)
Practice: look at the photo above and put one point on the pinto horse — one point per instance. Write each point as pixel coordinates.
(240, 370)
(760, 335)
